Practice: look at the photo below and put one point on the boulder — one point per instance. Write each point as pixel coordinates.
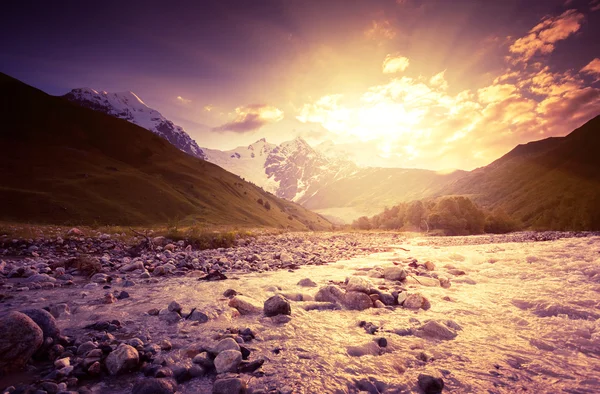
(245, 305)
(19, 340)
(45, 321)
(227, 344)
(356, 283)
(229, 386)
(228, 361)
(357, 301)
(306, 282)
(123, 359)
(277, 305)
(435, 330)
(394, 273)
(330, 293)
(430, 384)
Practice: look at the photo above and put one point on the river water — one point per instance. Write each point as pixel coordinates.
(525, 314)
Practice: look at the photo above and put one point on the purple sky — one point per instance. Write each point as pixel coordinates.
(231, 72)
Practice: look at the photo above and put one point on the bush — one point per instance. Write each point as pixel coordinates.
(500, 223)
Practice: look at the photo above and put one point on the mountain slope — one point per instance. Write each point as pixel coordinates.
(128, 106)
(62, 163)
(292, 170)
(548, 184)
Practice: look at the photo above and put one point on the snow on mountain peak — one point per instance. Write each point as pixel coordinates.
(130, 107)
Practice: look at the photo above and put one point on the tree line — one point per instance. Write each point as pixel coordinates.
(449, 215)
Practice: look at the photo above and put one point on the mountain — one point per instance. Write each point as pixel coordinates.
(62, 163)
(292, 170)
(549, 184)
(128, 106)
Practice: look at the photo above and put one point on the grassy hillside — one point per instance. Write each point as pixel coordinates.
(370, 190)
(64, 164)
(548, 184)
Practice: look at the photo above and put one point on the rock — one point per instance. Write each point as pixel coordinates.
(136, 265)
(227, 344)
(109, 298)
(357, 301)
(124, 358)
(166, 345)
(423, 281)
(370, 348)
(174, 306)
(230, 293)
(245, 305)
(169, 247)
(430, 384)
(356, 283)
(229, 386)
(159, 241)
(154, 386)
(19, 340)
(414, 301)
(45, 321)
(62, 362)
(435, 330)
(197, 371)
(330, 293)
(198, 316)
(169, 317)
(394, 273)
(40, 278)
(306, 282)
(99, 278)
(228, 361)
(429, 266)
(277, 305)
(95, 368)
(59, 310)
(204, 360)
(122, 295)
(75, 232)
(86, 347)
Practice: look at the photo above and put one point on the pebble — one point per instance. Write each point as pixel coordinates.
(277, 305)
(229, 386)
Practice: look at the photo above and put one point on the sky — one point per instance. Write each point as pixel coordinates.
(430, 84)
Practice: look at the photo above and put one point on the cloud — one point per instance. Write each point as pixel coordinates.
(251, 117)
(495, 93)
(183, 100)
(542, 37)
(209, 107)
(592, 67)
(595, 5)
(439, 81)
(394, 64)
(380, 30)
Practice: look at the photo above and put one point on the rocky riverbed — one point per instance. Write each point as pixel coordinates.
(301, 313)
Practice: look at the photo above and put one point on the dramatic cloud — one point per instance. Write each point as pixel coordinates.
(380, 30)
(395, 64)
(592, 68)
(251, 117)
(183, 100)
(544, 35)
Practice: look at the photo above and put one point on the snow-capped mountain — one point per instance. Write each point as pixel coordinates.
(292, 170)
(128, 106)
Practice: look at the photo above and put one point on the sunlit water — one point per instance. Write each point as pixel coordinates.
(528, 311)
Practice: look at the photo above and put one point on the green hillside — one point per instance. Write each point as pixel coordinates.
(64, 164)
(548, 184)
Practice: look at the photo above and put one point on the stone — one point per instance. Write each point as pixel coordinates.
(99, 278)
(277, 305)
(40, 278)
(413, 301)
(357, 301)
(109, 298)
(245, 305)
(166, 345)
(123, 359)
(306, 282)
(197, 371)
(429, 266)
(174, 306)
(204, 360)
(75, 232)
(154, 386)
(228, 361)
(229, 386)
(62, 362)
(356, 283)
(85, 348)
(330, 293)
(394, 273)
(136, 265)
(45, 321)
(198, 316)
(159, 241)
(169, 317)
(95, 368)
(435, 330)
(59, 310)
(20, 339)
(227, 344)
(430, 384)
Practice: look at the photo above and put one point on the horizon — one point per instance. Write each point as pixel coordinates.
(395, 84)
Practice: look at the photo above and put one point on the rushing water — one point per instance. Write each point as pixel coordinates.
(528, 314)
